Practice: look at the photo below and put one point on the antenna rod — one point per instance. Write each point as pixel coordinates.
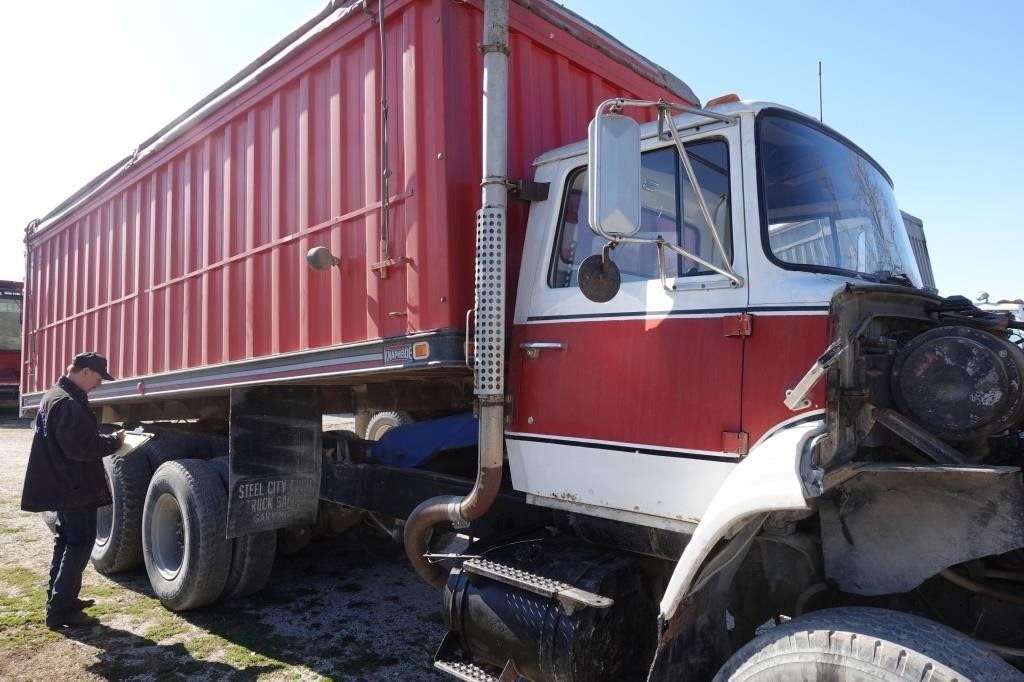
(821, 115)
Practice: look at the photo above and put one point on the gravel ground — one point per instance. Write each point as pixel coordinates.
(346, 609)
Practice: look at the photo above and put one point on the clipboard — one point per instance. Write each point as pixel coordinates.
(132, 440)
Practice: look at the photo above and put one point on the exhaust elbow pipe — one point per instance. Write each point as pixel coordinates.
(458, 511)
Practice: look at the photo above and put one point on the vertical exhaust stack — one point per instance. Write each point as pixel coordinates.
(489, 380)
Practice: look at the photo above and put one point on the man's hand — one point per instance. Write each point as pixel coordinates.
(120, 436)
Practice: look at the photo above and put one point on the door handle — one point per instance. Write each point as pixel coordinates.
(533, 348)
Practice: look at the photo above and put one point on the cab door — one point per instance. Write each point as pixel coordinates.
(634, 404)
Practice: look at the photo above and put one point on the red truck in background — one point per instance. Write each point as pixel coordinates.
(683, 379)
(10, 342)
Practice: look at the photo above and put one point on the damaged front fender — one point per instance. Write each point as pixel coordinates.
(887, 528)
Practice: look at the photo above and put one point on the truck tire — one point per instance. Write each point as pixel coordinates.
(252, 555)
(187, 556)
(382, 422)
(118, 545)
(864, 643)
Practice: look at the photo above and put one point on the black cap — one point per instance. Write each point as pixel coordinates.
(93, 361)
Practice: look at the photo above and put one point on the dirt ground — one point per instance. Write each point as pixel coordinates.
(343, 609)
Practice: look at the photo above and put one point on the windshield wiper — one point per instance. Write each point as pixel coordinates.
(888, 277)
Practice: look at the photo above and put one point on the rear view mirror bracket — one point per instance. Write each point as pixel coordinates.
(614, 180)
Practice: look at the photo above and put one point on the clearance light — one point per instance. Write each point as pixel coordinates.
(724, 99)
(420, 350)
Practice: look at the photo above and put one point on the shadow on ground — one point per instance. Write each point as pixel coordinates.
(125, 655)
(348, 608)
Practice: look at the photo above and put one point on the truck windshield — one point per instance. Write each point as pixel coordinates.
(827, 207)
(10, 324)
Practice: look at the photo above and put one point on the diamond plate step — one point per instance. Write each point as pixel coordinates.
(449, 659)
(465, 671)
(569, 596)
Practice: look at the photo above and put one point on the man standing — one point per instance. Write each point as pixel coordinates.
(65, 475)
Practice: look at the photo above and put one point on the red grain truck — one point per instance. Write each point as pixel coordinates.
(679, 381)
(10, 343)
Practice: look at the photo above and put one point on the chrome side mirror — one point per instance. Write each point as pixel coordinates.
(614, 178)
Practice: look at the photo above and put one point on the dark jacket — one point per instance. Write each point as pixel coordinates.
(65, 466)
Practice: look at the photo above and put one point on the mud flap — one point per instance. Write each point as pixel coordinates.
(275, 455)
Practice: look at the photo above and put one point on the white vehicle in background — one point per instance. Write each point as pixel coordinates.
(1014, 307)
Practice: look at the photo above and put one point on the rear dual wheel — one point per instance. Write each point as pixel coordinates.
(187, 555)
(118, 545)
(252, 554)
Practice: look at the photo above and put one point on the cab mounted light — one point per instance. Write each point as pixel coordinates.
(723, 99)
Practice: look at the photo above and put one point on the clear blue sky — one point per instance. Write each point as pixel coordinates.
(930, 89)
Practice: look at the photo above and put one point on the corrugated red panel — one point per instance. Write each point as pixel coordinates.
(195, 256)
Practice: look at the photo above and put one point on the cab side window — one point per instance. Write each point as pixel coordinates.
(669, 209)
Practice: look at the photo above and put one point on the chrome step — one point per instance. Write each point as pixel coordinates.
(569, 596)
(462, 670)
(447, 659)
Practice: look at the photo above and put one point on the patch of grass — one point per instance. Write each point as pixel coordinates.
(25, 601)
(23, 609)
(143, 607)
(127, 604)
(240, 657)
(292, 674)
(202, 647)
(26, 637)
(165, 630)
(22, 578)
(104, 590)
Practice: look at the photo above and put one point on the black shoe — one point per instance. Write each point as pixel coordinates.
(69, 619)
(79, 604)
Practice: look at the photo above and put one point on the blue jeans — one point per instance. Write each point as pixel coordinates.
(72, 547)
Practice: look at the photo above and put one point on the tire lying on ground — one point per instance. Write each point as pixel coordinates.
(864, 644)
(118, 545)
(187, 556)
(252, 555)
(382, 422)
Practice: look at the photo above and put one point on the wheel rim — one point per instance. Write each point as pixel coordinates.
(167, 534)
(104, 523)
(104, 519)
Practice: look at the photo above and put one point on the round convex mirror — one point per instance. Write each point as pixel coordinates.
(599, 280)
